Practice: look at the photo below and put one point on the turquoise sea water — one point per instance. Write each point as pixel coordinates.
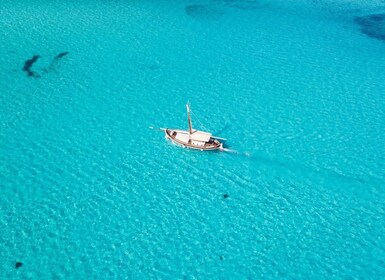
(88, 191)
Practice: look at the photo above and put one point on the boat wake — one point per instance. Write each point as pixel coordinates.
(227, 150)
(306, 172)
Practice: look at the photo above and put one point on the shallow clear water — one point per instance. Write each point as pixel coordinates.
(89, 191)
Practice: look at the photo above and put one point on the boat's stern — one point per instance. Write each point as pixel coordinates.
(221, 147)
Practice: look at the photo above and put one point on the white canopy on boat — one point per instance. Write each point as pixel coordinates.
(200, 136)
(197, 135)
(184, 137)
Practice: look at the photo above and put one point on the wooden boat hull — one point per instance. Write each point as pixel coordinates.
(213, 145)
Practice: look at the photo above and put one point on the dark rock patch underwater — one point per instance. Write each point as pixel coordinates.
(372, 25)
(204, 11)
(18, 265)
(216, 8)
(52, 66)
(242, 4)
(60, 55)
(28, 65)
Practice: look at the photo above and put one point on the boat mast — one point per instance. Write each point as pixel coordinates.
(189, 118)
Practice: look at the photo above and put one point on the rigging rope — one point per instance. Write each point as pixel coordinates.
(200, 123)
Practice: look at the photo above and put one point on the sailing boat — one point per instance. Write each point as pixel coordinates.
(194, 139)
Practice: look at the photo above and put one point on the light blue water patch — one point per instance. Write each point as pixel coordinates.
(89, 191)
